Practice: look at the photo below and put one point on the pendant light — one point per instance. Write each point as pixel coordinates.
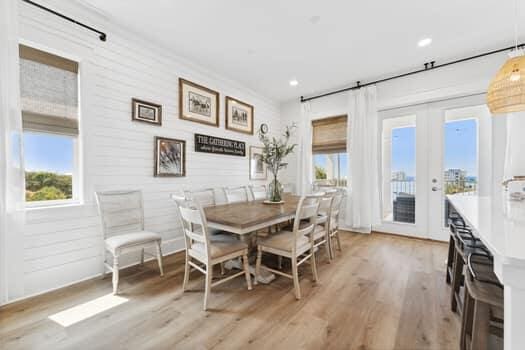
(506, 93)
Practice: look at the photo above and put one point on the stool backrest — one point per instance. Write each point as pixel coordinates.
(236, 194)
(120, 211)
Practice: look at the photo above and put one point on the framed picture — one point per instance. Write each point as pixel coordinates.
(239, 116)
(148, 112)
(258, 170)
(198, 103)
(170, 157)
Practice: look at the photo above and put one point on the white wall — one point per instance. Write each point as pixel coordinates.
(64, 245)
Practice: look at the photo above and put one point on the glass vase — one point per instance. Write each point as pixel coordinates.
(275, 190)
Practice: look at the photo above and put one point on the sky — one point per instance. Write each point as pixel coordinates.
(52, 153)
(460, 147)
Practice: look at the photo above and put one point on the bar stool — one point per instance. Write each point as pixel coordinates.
(483, 306)
(464, 244)
(455, 223)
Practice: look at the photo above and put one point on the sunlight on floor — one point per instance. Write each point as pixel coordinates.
(84, 311)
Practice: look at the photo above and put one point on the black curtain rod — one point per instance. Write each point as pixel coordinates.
(101, 35)
(428, 66)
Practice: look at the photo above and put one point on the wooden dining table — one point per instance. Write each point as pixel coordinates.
(248, 217)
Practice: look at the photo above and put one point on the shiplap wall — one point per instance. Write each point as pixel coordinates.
(64, 245)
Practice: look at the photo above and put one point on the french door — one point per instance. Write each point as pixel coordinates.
(430, 150)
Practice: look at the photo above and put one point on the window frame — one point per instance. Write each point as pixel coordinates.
(76, 173)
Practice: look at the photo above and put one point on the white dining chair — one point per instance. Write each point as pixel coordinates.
(200, 249)
(236, 194)
(334, 222)
(258, 192)
(122, 216)
(322, 228)
(205, 197)
(297, 245)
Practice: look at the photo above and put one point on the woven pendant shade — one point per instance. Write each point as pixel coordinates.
(506, 92)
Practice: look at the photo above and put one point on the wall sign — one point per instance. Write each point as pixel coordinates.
(217, 145)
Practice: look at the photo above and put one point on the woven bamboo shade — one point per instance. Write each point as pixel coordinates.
(329, 135)
(506, 92)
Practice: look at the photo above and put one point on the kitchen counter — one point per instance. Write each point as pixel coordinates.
(500, 224)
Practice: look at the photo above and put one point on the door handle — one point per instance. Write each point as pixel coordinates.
(435, 189)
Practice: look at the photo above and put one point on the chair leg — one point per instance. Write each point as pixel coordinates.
(279, 262)
(115, 274)
(142, 257)
(247, 271)
(328, 252)
(450, 258)
(338, 241)
(331, 245)
(159, 258)
(207, 288)
(186, 273)
(295, 273)
(258, 265)
(103, 264)
(314, 267)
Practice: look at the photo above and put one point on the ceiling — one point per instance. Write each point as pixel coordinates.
(323, 44)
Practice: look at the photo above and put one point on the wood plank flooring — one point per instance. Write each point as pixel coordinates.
(382, 292)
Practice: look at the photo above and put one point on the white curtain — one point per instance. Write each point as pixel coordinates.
(304, 151)
(514, 155)
(12, 186)
(363, 206)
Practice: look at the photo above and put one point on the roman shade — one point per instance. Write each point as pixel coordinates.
(329, 134)
(48, 92)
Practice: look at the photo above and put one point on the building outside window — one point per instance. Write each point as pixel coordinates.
(49, 103)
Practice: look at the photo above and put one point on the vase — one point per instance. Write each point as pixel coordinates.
(275, 190)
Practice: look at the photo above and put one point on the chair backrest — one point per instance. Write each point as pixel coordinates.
(258, 192)
(205, 197)
(307, 210)
(120, 211)
(325, 205)
(194, 224)
(336, 206)
(236, 194)
(288, 188)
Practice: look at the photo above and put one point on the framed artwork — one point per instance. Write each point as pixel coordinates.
(170, 157)
(198, 103)
(147, 112)
(239, 116)
(258, 170)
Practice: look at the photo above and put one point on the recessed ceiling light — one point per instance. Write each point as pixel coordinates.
(424, 42)
(315, 19)
(294, 82)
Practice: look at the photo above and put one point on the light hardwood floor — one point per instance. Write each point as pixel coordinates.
(381, 292)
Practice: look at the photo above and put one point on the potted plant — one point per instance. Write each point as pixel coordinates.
(273, 155)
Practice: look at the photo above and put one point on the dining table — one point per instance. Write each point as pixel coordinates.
(246, 218)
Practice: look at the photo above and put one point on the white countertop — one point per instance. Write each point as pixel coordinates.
(499, 223)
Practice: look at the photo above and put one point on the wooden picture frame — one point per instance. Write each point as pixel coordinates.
(258, 170)
(146, 112)
(170, 157)
(198, 103)
(239, 116)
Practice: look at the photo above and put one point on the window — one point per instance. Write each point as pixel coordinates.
(49, 101)
(330, 160)
(399, 169)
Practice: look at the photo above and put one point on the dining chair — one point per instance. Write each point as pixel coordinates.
(288, 188)
(297, 245)
(337, 199)
(200, 249)
(322, 228)
(122, 217)
(205, 197)
(236, 194)
(258, 192)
